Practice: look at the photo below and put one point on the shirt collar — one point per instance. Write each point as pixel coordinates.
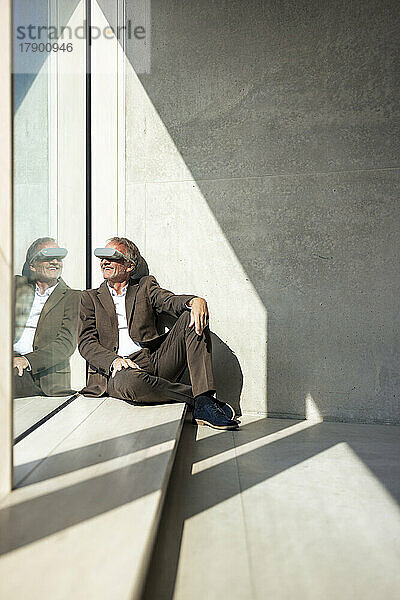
(47, 292)
(114, 293)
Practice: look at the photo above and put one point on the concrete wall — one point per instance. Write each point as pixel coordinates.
(283, 117)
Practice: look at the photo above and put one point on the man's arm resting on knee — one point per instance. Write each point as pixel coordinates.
(199, 314)
(97, 355)
(165, 301)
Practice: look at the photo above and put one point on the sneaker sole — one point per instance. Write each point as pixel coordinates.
(223, 427)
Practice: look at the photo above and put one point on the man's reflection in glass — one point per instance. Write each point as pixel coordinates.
(46, 316)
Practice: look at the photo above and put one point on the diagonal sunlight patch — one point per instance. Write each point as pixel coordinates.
(71, 476)
(78, 456)
(291, 463)
(249, 446)
(312, 411)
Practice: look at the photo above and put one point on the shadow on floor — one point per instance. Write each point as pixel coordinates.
(190, 494)
(34, 519)
(39, 517)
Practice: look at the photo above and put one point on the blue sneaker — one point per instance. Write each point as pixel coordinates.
(207, 412)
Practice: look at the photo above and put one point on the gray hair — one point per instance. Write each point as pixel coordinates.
(131, 250)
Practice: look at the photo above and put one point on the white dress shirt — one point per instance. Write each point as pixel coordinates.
(126, 345)
(25, 342)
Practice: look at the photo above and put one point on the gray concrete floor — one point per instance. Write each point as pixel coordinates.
(282, 509)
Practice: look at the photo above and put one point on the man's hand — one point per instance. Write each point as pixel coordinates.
(20, 363)
(123, 363)
(199, 314)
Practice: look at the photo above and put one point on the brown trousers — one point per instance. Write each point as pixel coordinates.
(157, 381)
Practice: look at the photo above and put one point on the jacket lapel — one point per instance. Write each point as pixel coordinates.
(130, 301)
(108, 304)
(53, 299)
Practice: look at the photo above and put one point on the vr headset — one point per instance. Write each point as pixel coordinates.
(50, 253)
(110, 254)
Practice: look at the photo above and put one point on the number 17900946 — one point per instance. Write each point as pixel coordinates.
(49, 47)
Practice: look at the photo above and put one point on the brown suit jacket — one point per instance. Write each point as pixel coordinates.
(98, 326)
(55, 337)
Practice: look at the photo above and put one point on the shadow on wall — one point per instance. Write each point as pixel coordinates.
(295, 160)
(229, 389)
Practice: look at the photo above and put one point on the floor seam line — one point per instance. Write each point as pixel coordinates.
(246, 535)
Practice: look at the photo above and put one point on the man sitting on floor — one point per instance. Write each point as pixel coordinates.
(127, 356)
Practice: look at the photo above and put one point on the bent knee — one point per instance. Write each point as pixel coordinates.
(139, 385)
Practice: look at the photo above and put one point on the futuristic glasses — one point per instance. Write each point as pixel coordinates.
(50, 253)
(110, 254)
